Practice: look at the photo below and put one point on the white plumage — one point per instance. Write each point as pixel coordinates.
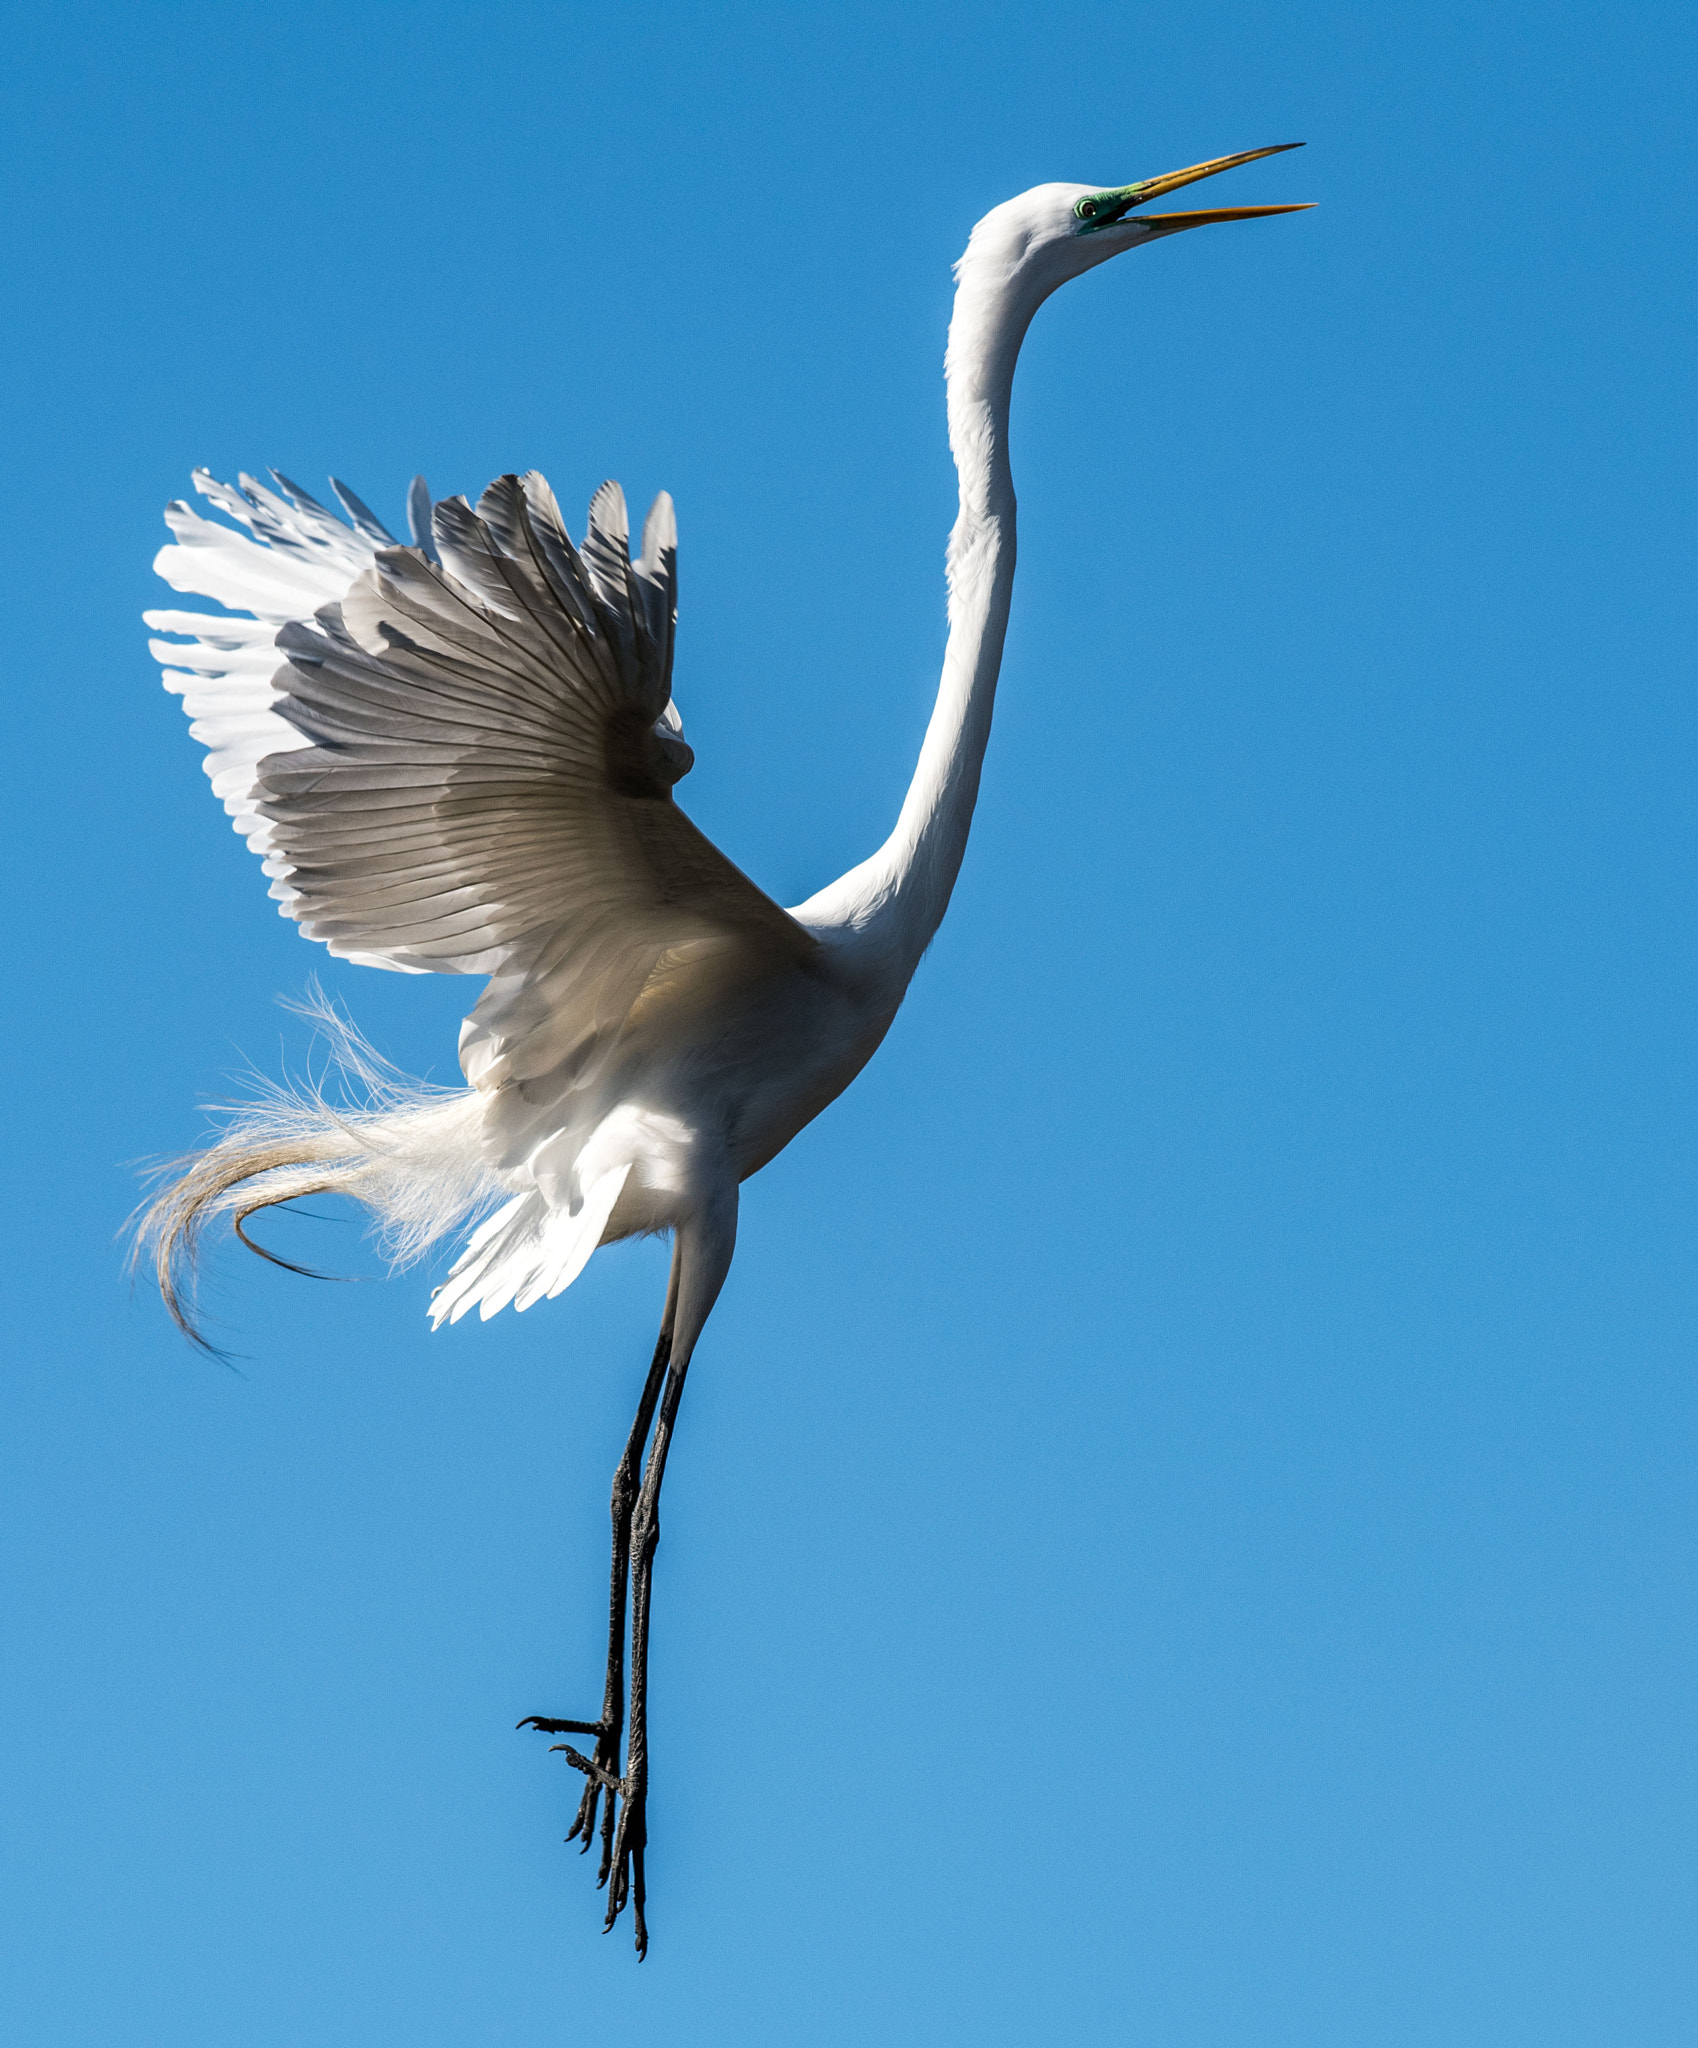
(464, 764)
(459, 757)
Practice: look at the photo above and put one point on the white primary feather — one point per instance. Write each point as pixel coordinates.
(294, 557)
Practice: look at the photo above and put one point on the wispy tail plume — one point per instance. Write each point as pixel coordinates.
(407, 1151)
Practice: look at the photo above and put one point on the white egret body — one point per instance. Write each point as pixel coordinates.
(459, 757)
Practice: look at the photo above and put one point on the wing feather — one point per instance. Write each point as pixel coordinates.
(487, 784)
(459, 757)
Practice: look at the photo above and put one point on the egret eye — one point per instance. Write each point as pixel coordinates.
(1086, 209)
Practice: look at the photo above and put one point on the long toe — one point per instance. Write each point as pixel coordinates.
(584, 1825)
(630, 1838)
(639, 1893)
(619, 1884)
(593, 1768)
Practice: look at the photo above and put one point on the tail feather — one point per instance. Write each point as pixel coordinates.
(409, 1152)
(527, 1252)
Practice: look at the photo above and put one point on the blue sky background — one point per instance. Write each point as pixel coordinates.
(1181, 1529)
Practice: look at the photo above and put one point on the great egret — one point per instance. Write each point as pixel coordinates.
(458, 757)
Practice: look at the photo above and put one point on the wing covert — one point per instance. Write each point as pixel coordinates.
(459, 757)
(486, 783)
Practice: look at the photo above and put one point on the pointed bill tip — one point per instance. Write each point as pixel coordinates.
(1171, 181)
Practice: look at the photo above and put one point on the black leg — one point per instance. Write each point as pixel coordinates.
(630, 1837)
(702, 1246)
(613, 1701)
(610, 1727)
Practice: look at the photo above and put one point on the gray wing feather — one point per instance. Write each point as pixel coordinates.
(487, 784)
(657, 578)
(418, 517)
(363, 518)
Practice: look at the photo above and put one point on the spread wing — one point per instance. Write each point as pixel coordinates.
(468, 768)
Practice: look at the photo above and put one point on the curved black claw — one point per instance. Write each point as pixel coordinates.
(598, 1774)
(583, 1827)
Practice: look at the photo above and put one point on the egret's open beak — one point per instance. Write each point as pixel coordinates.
(1109, 207)
(1172, 223)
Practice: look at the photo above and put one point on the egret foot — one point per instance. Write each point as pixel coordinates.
(601, 1774)
(623, 1856)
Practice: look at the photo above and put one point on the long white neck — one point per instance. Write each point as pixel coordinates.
(892, 903)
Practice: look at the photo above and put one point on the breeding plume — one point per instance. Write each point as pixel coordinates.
(459, 757)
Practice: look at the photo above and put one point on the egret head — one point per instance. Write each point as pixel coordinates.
(1036, 242)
